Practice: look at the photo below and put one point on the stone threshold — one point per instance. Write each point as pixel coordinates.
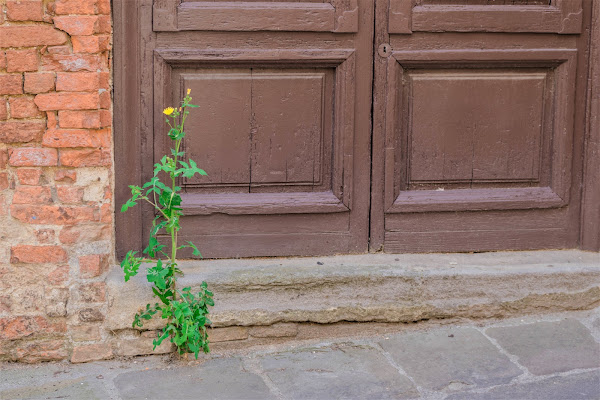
(376, 287)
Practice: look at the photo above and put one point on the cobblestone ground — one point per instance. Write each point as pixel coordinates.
(546, 357)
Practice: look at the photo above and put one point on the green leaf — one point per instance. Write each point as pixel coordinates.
(131, 264)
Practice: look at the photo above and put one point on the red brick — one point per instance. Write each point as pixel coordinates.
(32, 195)
(21, 60)
(80, 119)
(18, 327)
(29, 176)
(93, 266)
(70, 138)
(65, 175)
(32, 157)
(11, 84)
(93, 292)
(21, 131)
(74, 62)
(24, 10)
(70, 194)
(67, 101)
(4, 111)
(44, 235)
(3, 158)
(4, 182)
(90, 44)
(77, 25)
(85, 158)
(105, 118)
(2, 58)
(104, 7)
(104, 24)
(40, 82)
(37, 254)
(89, 233)
(51, 121)
(64, 49)
(80, 7)
(23, 107)
(59, 275)
(91, 352)
(30, 36)
(77, 81)
(54, 215)
(105, 101)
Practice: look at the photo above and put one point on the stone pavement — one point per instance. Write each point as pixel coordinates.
(534, 357)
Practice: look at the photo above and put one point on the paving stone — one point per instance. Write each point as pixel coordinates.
(582, 386)
(215, 379)
(550, 347)
(343, 371)
(451, 359)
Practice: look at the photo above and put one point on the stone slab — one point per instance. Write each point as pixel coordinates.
(582, 386)
(216, 379)
(342, 371)
(549, 347)
(376, 287)
(450, 359)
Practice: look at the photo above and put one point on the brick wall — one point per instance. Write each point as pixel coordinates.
(55, 178)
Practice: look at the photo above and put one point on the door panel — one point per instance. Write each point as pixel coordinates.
(478, 124)
(282, 122)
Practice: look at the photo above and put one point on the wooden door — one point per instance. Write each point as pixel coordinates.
(283, 129)
(478, 124)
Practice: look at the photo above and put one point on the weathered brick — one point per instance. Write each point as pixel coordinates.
(4, 182)
(103, 7)
(93, 292)
(11, 84)
(18, 327)
(21, 60)
(84, 333)
(51, 120)
(67, 101)
(70, 138)
(228, 334)
(70, 194)
(32, 195)
(21, 131)
(81, 119)
(53, 215)
(24, 10)
(4, 111)
(39, 82)
(74, 62)
(91, 352)
(5, 304)
(84, 233)
(2, 57)
(44, 235)
(29, 176)
(37, 254)
(65, 175)
(77, 81)
(56, 302)
(47, 350)
(105, 101)
(30, 36)
(3, 158)
(90, 44)
(59, 275)
(104, 24)
(80, 7)
(32, 157)
(92, 266)
(23, 107)
(64, 49)
(77, 25)
(85, 158)
(91, 315)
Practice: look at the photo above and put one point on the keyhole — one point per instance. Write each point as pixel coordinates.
(385, 50)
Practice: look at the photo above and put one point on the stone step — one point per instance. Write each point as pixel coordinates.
(376, 287)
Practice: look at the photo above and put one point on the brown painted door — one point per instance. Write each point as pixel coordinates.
(478, 124)
(283, 128)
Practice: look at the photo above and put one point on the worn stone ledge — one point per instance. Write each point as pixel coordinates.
(377, 287)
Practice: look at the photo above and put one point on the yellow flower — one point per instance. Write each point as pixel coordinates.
(168, 110)
(189, 90)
